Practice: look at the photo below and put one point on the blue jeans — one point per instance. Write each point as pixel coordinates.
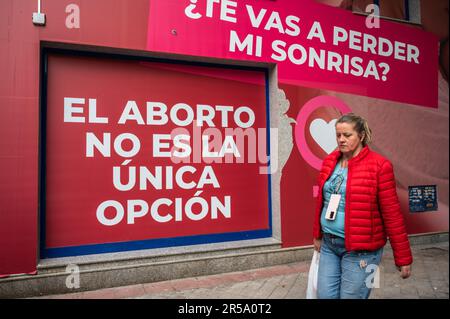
(343, 274)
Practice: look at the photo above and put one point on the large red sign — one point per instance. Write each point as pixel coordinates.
(138, 152)
(314, 45)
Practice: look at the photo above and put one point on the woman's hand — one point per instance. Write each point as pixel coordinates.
(405, 271)
(317, 243)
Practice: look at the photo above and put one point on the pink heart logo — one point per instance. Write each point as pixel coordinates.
(302, 117)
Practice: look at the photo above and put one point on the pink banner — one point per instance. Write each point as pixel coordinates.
(314, 45)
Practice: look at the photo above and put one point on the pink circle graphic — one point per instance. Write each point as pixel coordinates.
(305, 112)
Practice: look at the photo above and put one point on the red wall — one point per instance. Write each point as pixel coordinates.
(115, 23)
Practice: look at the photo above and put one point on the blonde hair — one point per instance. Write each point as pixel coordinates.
(360, 125)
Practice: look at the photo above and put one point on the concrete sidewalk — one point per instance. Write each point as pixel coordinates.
(429, 280)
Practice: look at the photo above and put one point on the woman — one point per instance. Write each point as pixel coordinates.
(357, 209)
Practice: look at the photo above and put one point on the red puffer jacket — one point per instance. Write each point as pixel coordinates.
(372, 209)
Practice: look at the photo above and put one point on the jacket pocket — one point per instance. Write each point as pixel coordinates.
(372, 227)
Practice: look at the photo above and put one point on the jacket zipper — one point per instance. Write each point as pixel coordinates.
(347, 196)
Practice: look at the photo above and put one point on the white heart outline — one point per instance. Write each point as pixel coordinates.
(324, 134)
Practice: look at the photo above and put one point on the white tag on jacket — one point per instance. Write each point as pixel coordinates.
(332, 208)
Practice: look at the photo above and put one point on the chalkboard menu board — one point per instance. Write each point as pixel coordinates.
(422, 198)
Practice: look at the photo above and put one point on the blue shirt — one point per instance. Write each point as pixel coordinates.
(336, 184)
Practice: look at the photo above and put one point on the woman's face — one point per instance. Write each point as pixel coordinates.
(348, 139)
